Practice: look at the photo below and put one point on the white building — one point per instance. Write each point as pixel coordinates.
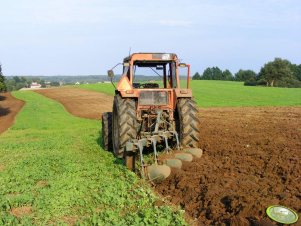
(35, 85)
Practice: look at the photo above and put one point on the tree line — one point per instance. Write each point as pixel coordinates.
(19, 82)
(278, 73)
(2, 81)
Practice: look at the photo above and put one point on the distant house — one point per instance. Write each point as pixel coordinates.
(77, 83)
(35, 85)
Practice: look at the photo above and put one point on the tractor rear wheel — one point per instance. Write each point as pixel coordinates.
(106, 130)
(124, 123)
(187, 122)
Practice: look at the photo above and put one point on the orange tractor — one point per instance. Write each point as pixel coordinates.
(152, 117)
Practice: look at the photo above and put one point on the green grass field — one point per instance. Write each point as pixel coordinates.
(99, 87)
(228, 94)
(51, 162)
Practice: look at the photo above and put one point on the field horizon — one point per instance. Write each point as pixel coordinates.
(212, 93)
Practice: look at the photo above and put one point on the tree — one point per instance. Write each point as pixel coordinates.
(55, 83)
(296, 71)
(17, 83)
(2, 81)
(276, 70)
(227, 75)
(245, 75)
(217, 73)
(196, 76)
(207, 74)
(17, 79)
(213, 73)
(43, 84)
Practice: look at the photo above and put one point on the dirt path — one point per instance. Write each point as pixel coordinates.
(9, 108)
(252, 159)
(79, 102)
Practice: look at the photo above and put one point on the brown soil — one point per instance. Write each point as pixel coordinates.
(79, 102)
(9, 107)
(21, 211)
(252, 159)
(70, 220)
(42, 183)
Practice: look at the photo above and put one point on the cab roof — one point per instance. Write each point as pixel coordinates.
(151, 57)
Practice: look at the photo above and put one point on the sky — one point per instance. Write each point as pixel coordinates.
(88, 37)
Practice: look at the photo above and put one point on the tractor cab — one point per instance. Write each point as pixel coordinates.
(152, 71)
(160, 68)
(153, 74)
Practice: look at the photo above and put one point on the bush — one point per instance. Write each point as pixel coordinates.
(54, 83)
(289, 83)
(261, 82)
(2, 87)
(250, 82)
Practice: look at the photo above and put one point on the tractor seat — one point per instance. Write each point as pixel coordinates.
(149, 85)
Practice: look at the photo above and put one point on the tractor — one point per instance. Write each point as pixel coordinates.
(152, 116)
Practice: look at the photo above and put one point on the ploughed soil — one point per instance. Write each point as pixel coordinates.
(251, 160)
(79, 102)
(9, 107)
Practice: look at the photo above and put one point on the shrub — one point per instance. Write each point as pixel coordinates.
(250, 82)
(289, 83)
(261, 82)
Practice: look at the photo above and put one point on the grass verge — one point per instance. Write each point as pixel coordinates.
(53, 171)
